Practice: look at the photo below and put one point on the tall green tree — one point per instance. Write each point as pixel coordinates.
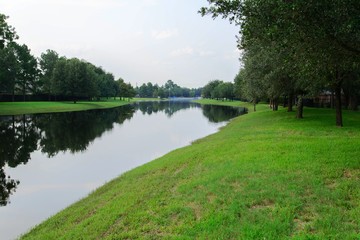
(208, 89)
(129, 91)
(74, 79)
(322, 37)
(8, 61)
(7, 32)
(47, 64)
(8, 71)
(27, 74)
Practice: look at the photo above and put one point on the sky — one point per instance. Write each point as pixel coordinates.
(138, 40)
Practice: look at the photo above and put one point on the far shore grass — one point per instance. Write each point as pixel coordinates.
(17, 108)
(233, 103)
(266, 175)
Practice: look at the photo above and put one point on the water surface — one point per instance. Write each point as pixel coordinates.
(48, 161)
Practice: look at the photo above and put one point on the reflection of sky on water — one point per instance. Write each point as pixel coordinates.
(48, 185)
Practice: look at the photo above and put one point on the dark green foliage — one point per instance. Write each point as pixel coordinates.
(56, 77)
(7, 32)
(47, 64)
(169, 89)
(27, 74)
(219, 90)
(125, 89)
(208, 89)
(8, 70)
(297, 47)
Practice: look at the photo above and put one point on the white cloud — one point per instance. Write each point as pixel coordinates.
(182, 52)
(146, 3)
(162, 38)
(164, 34)
(203, 53)
(73, 3)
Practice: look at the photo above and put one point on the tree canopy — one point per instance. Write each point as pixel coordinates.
(51, 75)
(296, 47)
(169, 89)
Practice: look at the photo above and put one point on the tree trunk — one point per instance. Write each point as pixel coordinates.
(339, 121)
(275, 104)
(290, 102)
(24, 95)
(300, 107)
(346, 99)
(254, 102)
(353, 104)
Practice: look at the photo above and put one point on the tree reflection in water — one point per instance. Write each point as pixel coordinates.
(217, 114)
(213, 113)
(50, 133)
(74, 131)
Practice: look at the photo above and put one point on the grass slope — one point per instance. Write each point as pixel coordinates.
(266, 175)
(16, 108)
(223, 103)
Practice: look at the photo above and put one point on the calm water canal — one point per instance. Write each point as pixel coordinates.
(48, 161)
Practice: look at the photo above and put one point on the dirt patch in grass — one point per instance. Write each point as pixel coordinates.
(265, 204)
(196, 210)
(353, 174)
(211, 197)
(180, 169)
(304, 221)
(237, 186)
(331, 184)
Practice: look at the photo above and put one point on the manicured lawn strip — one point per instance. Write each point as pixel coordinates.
(266, 175)
(234, 103)
(149, 99)
(16, 108)
(223, 103)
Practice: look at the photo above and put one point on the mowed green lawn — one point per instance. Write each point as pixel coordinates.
(266, 175)
(16, 108)
(226, 103)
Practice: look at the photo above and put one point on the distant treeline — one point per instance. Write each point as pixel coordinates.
(169, 89)
(24, 77)
(51, 77)
(219, 90)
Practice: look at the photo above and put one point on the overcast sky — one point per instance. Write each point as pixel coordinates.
(138, 40)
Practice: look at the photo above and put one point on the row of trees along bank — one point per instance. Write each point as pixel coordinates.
(169, 89)
(51, 77)
(219, 90)
(296, 48)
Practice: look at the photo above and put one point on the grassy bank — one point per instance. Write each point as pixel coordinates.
(16, 108)
(249, 106)
(224, 103)
(266, 175)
